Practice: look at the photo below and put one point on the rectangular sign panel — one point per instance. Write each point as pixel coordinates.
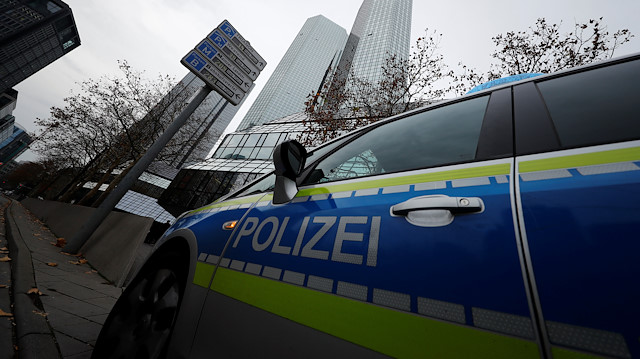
(214, 56)
(242, 44)
(213, 77)
(233, 53)
(226, 62)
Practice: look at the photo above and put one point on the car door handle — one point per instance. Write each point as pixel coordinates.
(436, 210)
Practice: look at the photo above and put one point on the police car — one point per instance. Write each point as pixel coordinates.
(502, 224)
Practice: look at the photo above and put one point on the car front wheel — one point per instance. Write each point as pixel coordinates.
(141, 321)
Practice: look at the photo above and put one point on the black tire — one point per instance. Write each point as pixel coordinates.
(141, 322)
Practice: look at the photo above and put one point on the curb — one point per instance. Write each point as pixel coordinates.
(34, 335)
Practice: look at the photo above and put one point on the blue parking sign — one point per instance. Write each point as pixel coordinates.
(228, 29)
(195, 61)
(218, 39)
(208, 50)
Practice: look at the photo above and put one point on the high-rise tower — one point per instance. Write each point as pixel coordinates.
(381, 28)
(316, 48)
(33, 34)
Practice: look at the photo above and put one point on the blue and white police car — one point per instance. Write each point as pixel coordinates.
(502, 224)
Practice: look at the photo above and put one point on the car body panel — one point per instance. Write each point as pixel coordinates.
(581, 217)
(338, 251)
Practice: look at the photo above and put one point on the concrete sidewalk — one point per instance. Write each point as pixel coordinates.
(62, 316)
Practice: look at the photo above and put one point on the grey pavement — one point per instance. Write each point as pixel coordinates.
(62, 316)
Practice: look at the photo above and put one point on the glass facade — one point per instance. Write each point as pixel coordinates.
(241, 158)
(142, 198)
(33, 34)
(197, 150)
(316, 48)
(383, 27)
(15, 144)
(143, 205)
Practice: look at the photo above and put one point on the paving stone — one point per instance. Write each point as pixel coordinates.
(104, 302)
(100, 319)
(58, 318)
(45, 277)
(70, 346)
(85, 355)
(37, 346)
(86, 331)
(72, 305)
(72, 290)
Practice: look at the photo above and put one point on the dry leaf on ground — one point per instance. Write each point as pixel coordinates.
(42, 314)
(5, 314)
(75, 262)
(34, 291)
(83, 261)
(52, 264)
(60, 242)
(72, 255)
(5, 259)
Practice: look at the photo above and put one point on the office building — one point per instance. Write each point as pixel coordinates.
(316, 48)
(33, 34)
(382, 28)
(241, 158)
(213, 117)
(13, 139)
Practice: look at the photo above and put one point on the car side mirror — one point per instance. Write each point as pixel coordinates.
(288, 159)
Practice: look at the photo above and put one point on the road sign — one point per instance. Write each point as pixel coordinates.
(213, 54)
(234, 53)
(213, 77)
(243, 45)
(226, 62)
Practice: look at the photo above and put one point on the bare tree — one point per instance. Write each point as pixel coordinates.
(347, 102)
(544, 49)
(108, 126)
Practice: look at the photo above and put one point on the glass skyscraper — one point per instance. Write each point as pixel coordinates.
(199, 145)
(316, 48)
(141, 199)
(33, 34)
(381, 28)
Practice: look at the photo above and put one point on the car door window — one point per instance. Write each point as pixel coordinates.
(595, 107)
(445, 135)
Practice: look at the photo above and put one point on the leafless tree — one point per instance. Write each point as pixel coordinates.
(542, 48)
(107, 127)
(347, 101)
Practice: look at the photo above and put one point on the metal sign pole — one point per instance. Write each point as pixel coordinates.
(87, 229)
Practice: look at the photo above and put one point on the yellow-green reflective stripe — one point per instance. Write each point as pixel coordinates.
(484, 171)
(585, 159)
(561, 353)
(394, 333)
(202, 276)
(232, 202)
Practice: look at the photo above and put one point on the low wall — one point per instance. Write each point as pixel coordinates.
(112, 247)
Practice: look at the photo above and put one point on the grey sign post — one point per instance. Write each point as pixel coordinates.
(227, 64)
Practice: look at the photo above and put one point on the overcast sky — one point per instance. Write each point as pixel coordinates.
(153, 35)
